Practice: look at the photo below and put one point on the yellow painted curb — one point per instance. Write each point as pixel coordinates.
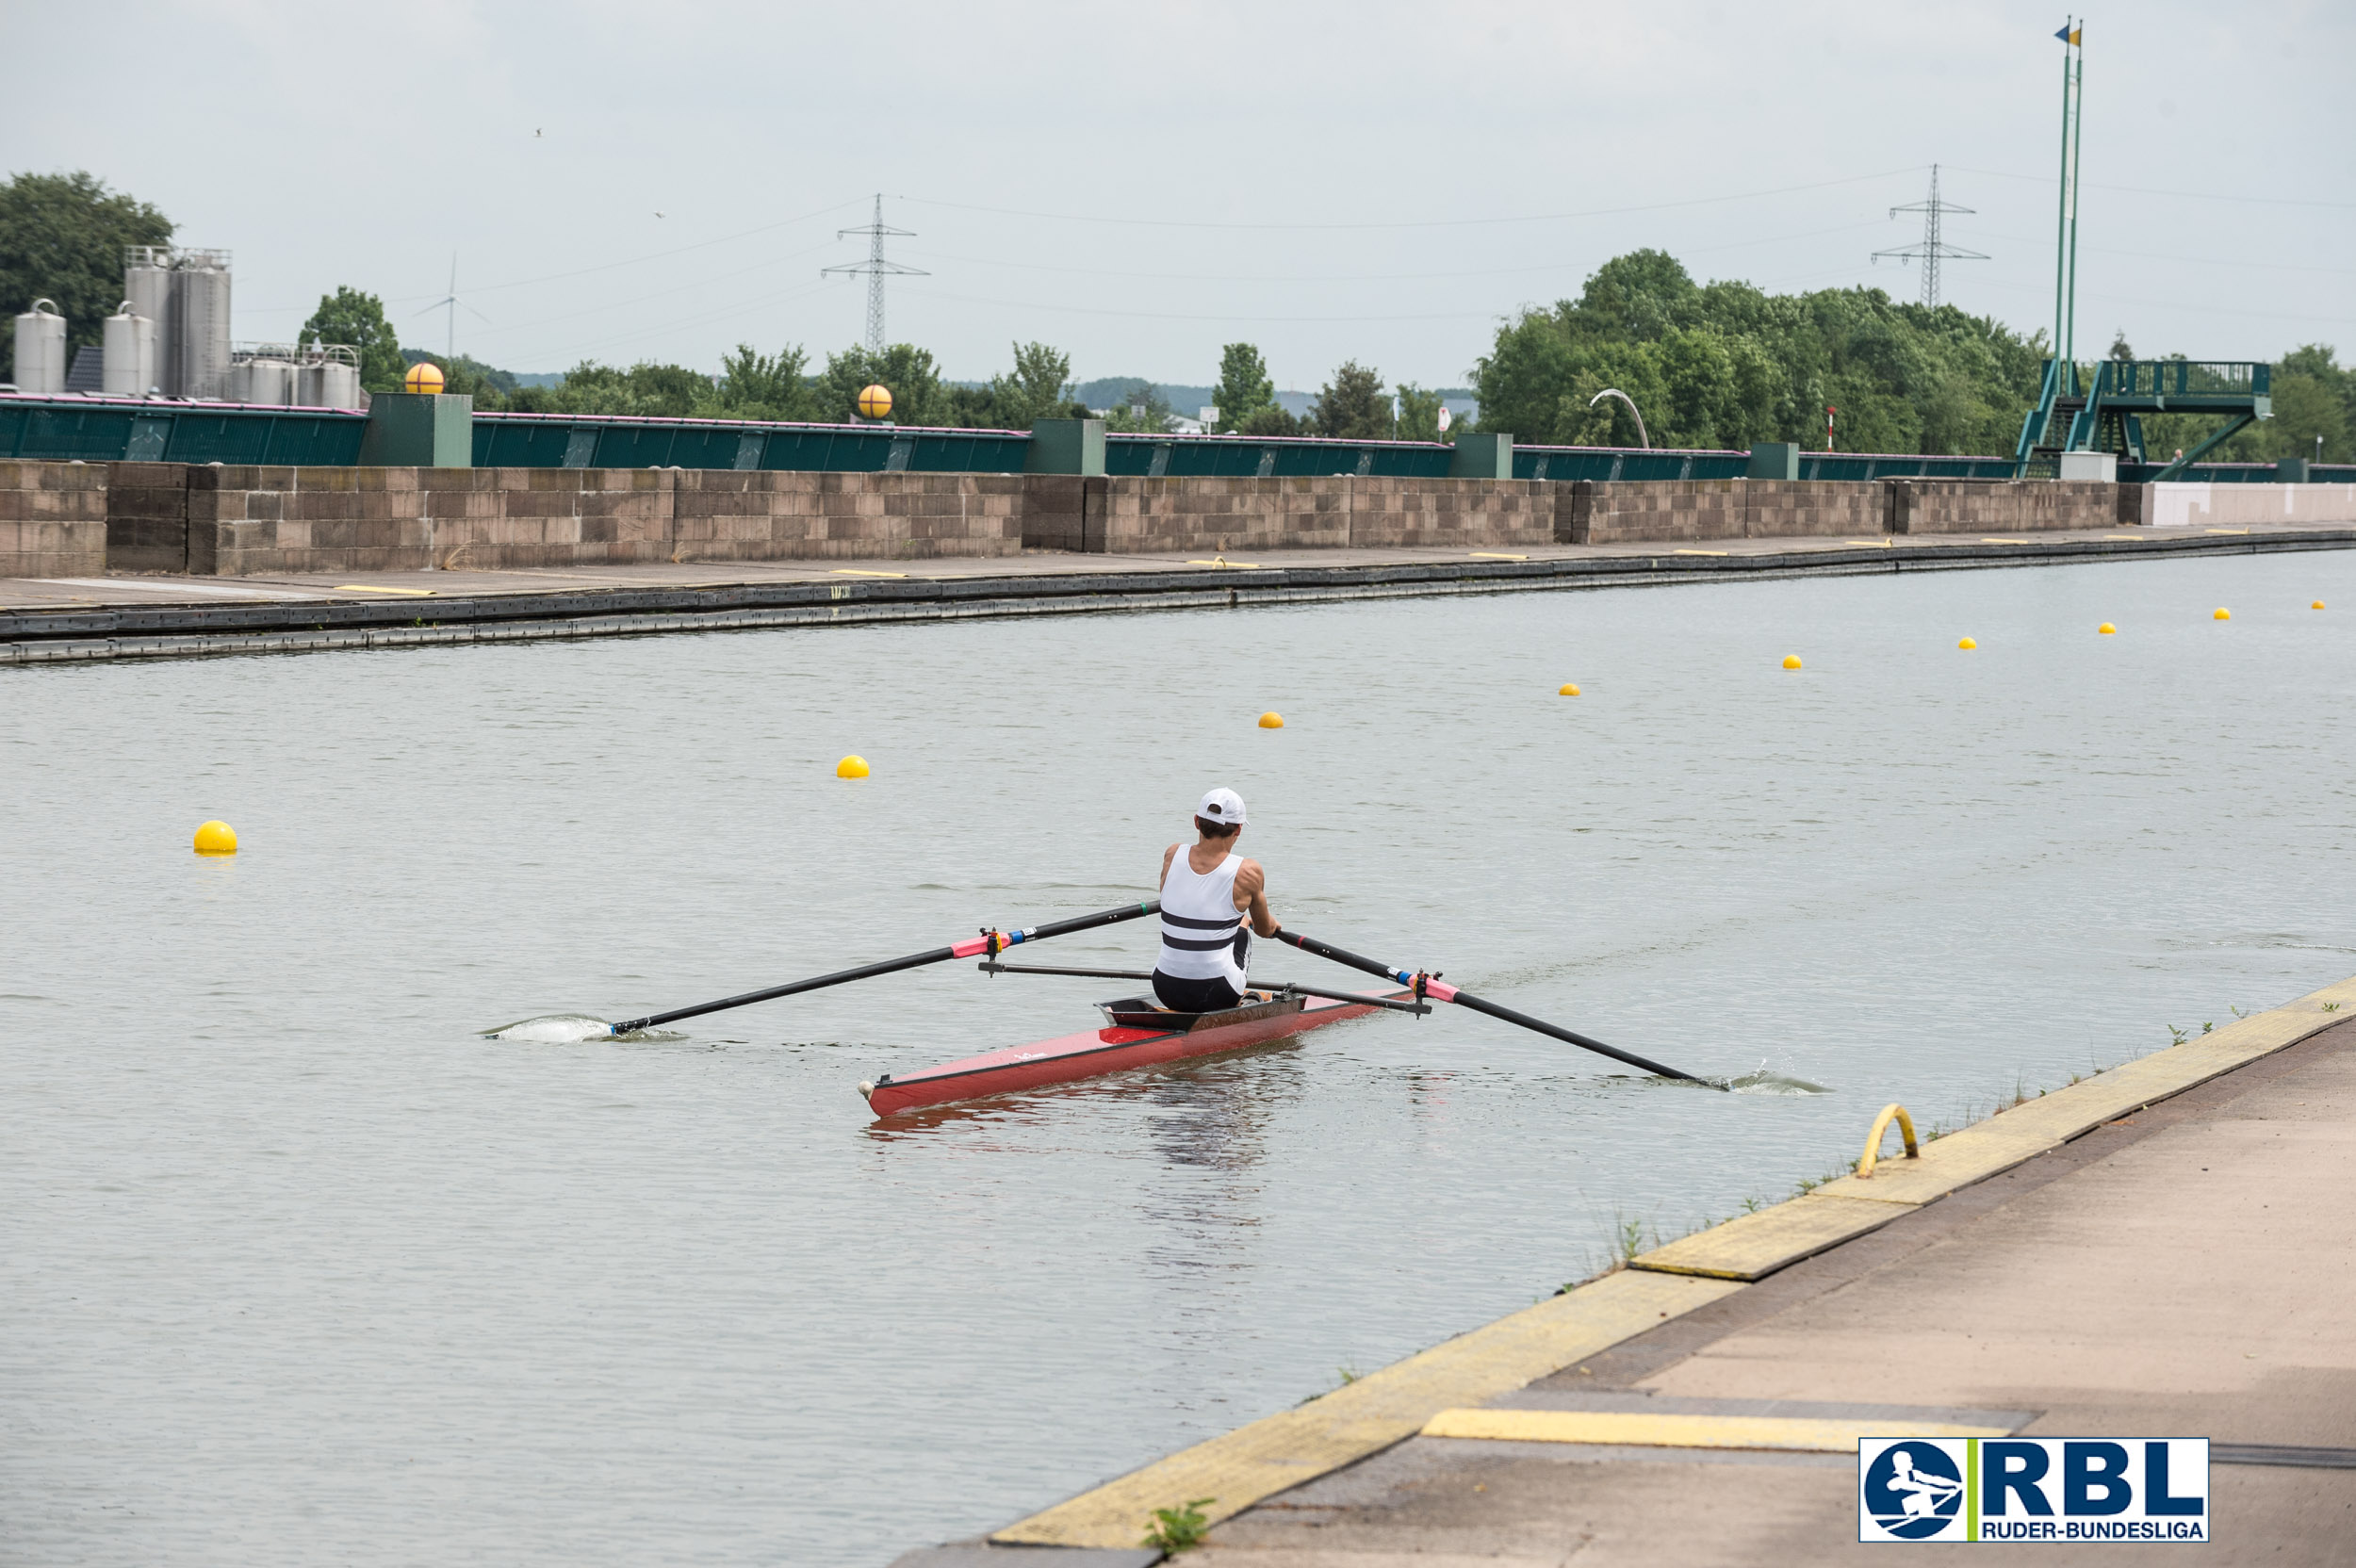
(1755, 1244)
(1827, 1435)
(1239, 1468)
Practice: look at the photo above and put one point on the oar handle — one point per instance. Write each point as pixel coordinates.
(1440, 991)
(989, 941)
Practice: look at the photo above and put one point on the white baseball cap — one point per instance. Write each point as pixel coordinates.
(1221, 805)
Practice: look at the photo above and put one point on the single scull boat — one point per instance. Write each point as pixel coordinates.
(1138, 1032)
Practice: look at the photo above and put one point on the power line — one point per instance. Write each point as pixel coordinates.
(1418, 223)
(2182, 195)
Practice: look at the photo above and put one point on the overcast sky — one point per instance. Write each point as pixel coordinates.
(1139, 184)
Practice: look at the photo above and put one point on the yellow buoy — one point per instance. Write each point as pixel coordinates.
(875, 401)
(1790, 661)
(2107, 629)
(2220, 613)
(1271, 721)
(216, 838)
(1569, 689)
(1967, 642)
(853, 766)
(2317, 604)
(424, 375)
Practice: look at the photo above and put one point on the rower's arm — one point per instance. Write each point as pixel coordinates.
(1252, 897)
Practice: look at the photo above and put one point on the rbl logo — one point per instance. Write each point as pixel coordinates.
(2033, 1489)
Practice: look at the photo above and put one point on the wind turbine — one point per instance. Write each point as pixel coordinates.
(451, 303)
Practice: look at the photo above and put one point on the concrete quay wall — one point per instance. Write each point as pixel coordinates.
(53, 519)
(2014, 506)
(66, 519)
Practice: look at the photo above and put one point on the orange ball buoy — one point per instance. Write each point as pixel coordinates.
(424, 375)
(1569, 688)
(853, 766)
(874, 403)
(1271, 721)
(1967, 645)
(2107, 629)
(2317, 604)
(216, 838)
(1790, 661)
(2220, 613)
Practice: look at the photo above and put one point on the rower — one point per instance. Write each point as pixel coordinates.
(1209, 892)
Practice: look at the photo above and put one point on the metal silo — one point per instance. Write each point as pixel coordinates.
(265, 374)
(199, 334)
(329, 378)
(147, 283)
(40, 349)
(130, 344)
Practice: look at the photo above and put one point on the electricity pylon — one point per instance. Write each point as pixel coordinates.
(877, 269)
(1932, 249)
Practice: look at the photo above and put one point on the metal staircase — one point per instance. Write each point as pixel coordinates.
(2103, 412)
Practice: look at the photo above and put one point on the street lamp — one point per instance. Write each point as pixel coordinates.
(1615, 392)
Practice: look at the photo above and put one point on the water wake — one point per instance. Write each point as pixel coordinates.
(1763, 1082)
(553, 1029)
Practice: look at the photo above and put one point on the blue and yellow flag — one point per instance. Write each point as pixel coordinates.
(2074, 35)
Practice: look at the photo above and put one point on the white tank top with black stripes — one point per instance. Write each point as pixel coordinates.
(1200, 921)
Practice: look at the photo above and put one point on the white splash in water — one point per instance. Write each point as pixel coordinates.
(1764, 1081)
(553, 1029)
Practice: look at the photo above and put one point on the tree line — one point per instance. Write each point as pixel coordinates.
(1721, 365)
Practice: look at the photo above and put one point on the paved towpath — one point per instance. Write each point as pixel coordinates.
(354, 586)
(2187, 1268)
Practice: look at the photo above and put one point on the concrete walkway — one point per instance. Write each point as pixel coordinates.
(75, 619)
(2167, 1249)
(2189, 1269)
(30, 593)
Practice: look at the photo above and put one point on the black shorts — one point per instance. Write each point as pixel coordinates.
(1194, 996)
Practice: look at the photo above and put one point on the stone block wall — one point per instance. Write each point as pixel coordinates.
(147, 516)
(67, 519)
(244, 519)
(1195, 517)
(1191, 517)
(53, 519)
(1451, 513)
(1806, 509)
(1605, 511)
(501, 518)
(2008, 506)
(756, 514)
(1064, 512)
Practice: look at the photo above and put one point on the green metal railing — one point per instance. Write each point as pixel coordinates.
(102, 430)
(118, 429)
(1625, 463)
(1275, 457)
(582, 441)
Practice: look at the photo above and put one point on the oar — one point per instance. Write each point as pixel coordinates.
(989, 941)
(1428, 986)
(1359, 997)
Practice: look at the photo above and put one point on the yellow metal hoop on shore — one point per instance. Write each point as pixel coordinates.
(1873, 1139)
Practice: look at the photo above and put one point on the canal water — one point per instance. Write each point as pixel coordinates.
(297, 1267)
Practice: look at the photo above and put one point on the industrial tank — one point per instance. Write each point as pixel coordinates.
(263, 378)
(147, 283)
(330, 377)
(40, 349)
(200, 292)
(130, 346)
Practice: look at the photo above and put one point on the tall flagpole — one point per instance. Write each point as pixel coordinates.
(2061, 224)
(2077, 140)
